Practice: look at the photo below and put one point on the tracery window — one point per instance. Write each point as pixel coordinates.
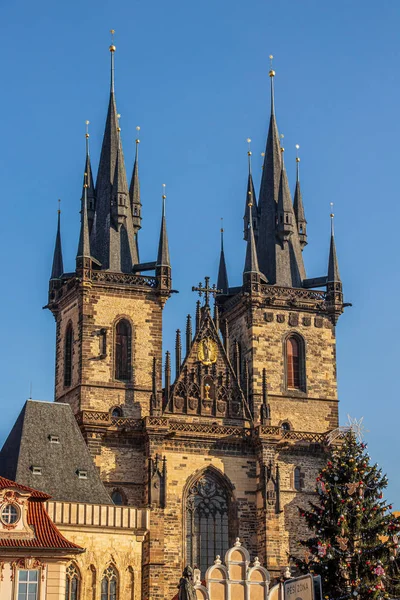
(109, 584)
(72, 583)
(69, 336)
(207, 521)
(295, 363)
(123, 343)
(117, 498)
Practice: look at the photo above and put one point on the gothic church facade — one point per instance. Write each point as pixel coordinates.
(231, 446)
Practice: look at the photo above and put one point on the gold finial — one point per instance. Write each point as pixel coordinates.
(282, 148)
(118, 117)
(85, 177)
(87, 129)
(163, 191)
(59, 206)
(271, 71)
(332, 213)
(137, 129)
(112, 47)
(249, 150)
(222, 224)
(297, 153)
(262, 156)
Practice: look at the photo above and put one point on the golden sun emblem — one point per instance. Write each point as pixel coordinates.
(207, 352)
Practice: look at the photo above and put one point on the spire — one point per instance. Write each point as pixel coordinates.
(84, 243)
(251, 262)
(58, 267)
(333, 265)
(113, 237)
(269, 191)
(298, 206)
(285, 217)
(250, 195)
(134, 190)
(88, 180)
(222, 282)
(163, 250)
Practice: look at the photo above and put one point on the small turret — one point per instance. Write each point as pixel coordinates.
(250, 196)
(222, 281)
(334, 288)
(88, 180)
(163, 265)
(58, 266)
(119, 193)
(299, 208)
(251, 271)
(134, 191)
(285, 225)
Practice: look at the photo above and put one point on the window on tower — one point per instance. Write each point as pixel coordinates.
(208, 520)
(295, 363)
(69, 338)
(109, 584)
(123, 344)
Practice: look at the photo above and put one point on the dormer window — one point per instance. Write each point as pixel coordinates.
(82, 474)
(36, 470)
(10, 514)
(54, 439)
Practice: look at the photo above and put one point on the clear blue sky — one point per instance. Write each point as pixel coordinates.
(194, 76)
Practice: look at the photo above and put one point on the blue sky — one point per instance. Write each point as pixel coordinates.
(194, 76)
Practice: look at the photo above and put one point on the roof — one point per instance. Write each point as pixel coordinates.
(6, 484)
(28, 445)
(47, 535)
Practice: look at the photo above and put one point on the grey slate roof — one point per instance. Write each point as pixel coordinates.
(251, 262)
(333, 265)
(28, 445)
(163, 248)
(58, 267)
(84, 240)
(250, 195)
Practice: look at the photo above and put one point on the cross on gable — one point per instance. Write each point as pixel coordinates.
(207, 290)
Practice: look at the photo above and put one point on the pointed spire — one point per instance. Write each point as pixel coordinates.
(163, 249)
(250, 195)
(285, 217)
(84, 243)
(198, 315)
(134, 189)
(251, 262)
(120, 194)
(88, 180)
(189, 334)
(222, 281)
(58, 267)
(167, 374)
(298, 206)
(333, 265)
(178, 353)
(269, 191)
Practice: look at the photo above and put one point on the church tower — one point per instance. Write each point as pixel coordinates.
(230, 446)
(108, 310)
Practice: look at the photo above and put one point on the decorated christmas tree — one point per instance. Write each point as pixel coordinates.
(355, 537)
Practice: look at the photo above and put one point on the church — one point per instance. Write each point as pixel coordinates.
(227, 448)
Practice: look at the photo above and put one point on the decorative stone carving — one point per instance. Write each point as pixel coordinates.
(269, 317)
(280, 318)
(307, 321)
(157, 481)
(293, 320)
(186, 587)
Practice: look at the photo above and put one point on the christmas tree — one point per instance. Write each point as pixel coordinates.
(355, 536)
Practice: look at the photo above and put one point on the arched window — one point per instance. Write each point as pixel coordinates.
(208, 510)
(69, 338)
(117, 498)
(297, 479)
(285, 426)
(295, 367)
(116, 412)
(109, 584)
(123, 350)
(72, 582)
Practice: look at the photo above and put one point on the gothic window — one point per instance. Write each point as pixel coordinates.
(116, 412)
(285, 427)
(297, 479)
(295, 364)
(72, 583)
(28, 584)
(69, 337)
(123, 343)
(117, 498)
(109, 584)
(208, 510)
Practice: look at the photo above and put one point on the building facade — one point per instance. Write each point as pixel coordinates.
(231, 446)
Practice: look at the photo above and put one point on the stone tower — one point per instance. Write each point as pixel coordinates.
(231, 446)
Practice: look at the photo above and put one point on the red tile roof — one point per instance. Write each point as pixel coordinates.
(47, 536)
(7, 483)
